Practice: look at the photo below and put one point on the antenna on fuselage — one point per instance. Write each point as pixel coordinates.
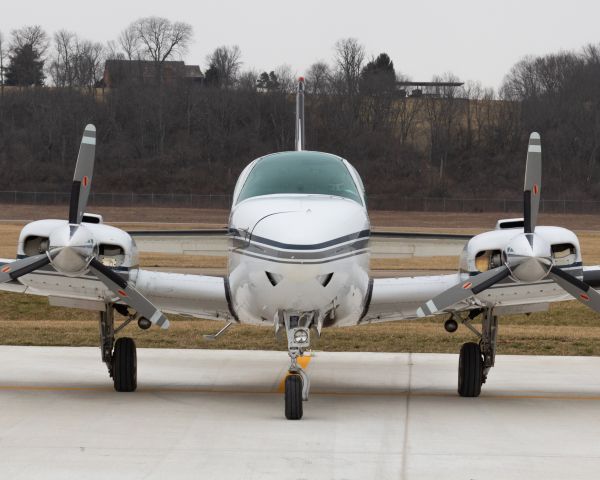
(300, 115)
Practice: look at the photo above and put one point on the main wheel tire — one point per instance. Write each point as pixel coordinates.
(293, 397)
(470, 370)
(125, 365)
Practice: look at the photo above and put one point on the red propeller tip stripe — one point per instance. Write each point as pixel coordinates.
(536, 189)
(85, 181)
(467, 285)
(122, 293)
(583, 296)
(6, 269)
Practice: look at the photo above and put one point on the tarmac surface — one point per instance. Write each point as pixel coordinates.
(216, 414)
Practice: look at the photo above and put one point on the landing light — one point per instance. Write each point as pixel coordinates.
(301, 336)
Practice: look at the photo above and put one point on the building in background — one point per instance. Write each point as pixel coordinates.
(118, 72)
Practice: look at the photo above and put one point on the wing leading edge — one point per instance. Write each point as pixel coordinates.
(199, 296)
(399, 298)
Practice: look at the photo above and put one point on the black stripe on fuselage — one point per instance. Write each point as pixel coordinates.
(337, 250)
(300, 262)
(259, 247)
(290, 246)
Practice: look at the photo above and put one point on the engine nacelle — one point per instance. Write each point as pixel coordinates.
(115, 247)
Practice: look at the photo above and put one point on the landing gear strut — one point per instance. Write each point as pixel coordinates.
(122, 361)
(477, 359)
(297, 383)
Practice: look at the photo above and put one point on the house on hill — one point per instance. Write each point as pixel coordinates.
(118, 72)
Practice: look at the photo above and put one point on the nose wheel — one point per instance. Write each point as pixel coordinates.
(293, 397)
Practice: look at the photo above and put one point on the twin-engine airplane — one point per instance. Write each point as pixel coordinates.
(299, 261)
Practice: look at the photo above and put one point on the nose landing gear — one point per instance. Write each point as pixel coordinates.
(297, 383)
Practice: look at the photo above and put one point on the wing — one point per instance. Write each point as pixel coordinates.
(199, 296)
(400, 298)
(409, 298)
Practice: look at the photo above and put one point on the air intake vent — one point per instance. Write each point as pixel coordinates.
(325, 279)
(510, 223)
(274, 278)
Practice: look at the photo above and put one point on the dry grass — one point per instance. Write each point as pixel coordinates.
(567, 329)
(150, 260)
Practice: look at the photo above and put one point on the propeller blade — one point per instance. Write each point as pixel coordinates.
(533, 182)
(129, 294)
(18, 268)
(463, 290)
(82, 180)
(579, 290)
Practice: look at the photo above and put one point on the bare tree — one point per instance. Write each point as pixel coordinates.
(61, 68)
(286, 78)
(112, 51)
(129, 41)
(349, 58)
(32, 35)
(90, 58)
(318, 78)
(160, 39)
(442, 112)
(247, 80)
(224, 64)
(2, 53)
(76, 62)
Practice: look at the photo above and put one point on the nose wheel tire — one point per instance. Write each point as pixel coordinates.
(125, 365)
(293, 397)
(470, 370)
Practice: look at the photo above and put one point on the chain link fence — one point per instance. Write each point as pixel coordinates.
(375, 202)
(120, 199)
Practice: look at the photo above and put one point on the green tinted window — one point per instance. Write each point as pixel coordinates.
(300, 172)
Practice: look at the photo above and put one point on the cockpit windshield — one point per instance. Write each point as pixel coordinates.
(300, 173)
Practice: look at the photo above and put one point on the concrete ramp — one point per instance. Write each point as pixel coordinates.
(219, 415)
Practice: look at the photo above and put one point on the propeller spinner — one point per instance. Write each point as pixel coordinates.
(73, 250)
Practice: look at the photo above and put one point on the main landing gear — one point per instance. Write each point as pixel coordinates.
(477, 359)
(122, 360)
(297, 383)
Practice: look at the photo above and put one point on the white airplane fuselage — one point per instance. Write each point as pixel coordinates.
(299, 254)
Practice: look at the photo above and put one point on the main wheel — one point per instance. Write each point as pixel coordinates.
(293, 397)
(470, 370)
(125, 365)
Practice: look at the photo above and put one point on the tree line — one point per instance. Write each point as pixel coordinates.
(178, 136)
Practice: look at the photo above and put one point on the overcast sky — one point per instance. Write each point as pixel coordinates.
(474, 39)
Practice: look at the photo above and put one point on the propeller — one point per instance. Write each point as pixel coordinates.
(527, 257)
(73, 250)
